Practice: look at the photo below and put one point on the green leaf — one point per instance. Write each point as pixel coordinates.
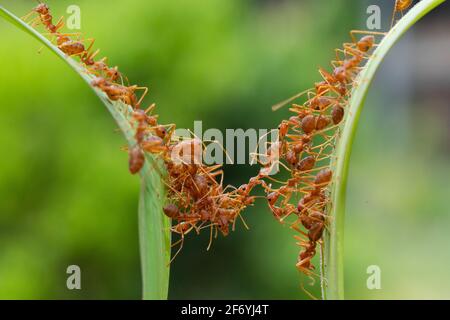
(154, 226)
(332, 267)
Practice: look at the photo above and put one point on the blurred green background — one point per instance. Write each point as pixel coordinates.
(66, 196)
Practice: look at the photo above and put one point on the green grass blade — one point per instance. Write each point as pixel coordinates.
(154, 226)
(334, 238)
(154, 237)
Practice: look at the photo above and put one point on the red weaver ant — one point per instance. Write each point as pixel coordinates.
(45, 17)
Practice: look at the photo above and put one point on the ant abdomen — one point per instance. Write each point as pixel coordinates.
(136, 159)
(337, 114)
(315, 231)
(322, 122)
(306, 163)
(323, 177)
(171, 210)
(291, 157)
(309, 123)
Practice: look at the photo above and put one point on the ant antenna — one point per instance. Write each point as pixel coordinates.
(285, 102)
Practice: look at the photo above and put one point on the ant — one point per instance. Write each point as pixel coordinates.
(73, 47)
(182, 229)
(100, 66)
(116, 92)
(45, 17)
(364, 44)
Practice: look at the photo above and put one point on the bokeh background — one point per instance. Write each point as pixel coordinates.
(66, 196)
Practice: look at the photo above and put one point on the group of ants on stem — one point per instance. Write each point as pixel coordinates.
(196, 196)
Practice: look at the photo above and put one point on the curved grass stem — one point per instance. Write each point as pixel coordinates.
(333, 260)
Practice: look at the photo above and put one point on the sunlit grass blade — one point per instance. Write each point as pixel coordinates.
(154, 226)
(332, 267)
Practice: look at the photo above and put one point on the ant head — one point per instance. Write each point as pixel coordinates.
(301, 205)
(114, 72)
(254, 180)
(272, 197)
(243, 189)
(283, 128)
(161, 131)
(42, 8)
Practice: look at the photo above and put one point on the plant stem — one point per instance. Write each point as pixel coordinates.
(333, 260)
(154, 235)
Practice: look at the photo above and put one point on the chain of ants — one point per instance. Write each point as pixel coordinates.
(197, 199)
(318, 118)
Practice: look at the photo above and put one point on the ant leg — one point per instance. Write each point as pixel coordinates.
(306, 271)
(170, 132)
(71, 34)
(150, 108)
(217, 173)
(182, 233)
(257, 145)
(224, 150)
(60, 24)
(176, 243)
(365, 32)
(393, 18)
(338, 58)
(325, 143)
(29, 14)
(336, 64)
(213, 141)
(104, 60)
(352, 47)
(126, 78)
(212, 168)
(243, 221)
(145, 89)
(34, 22)
(91, 43)
(285, 102)
(181, 241)
(93, 54)
(210, 237)
(309, 294)
(351, 51)
(347, 51)
(294, 227)
(325, 75)
(229, 186)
